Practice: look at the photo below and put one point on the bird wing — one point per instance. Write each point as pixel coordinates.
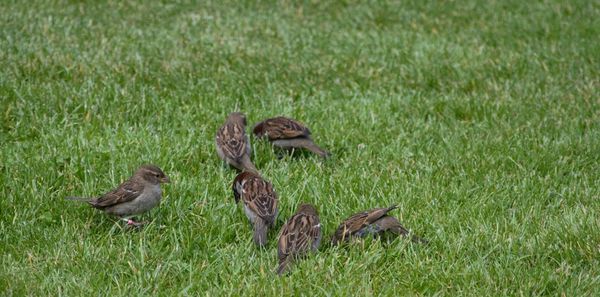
(259, 196)
(358, 221)
(232, 140)
(298, 235)
(377, 213)
(126, 191)
(284, 128)
(351, 225)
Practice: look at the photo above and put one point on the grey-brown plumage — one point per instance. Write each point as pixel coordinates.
(260, 203)
(372, 222)
(287, 133)
(135, 196)
(300, 235)
(232, 142)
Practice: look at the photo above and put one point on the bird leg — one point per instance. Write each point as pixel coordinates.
(131, 222)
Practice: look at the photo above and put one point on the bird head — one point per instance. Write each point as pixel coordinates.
(307, 209)
(237, 117)
(152, 174)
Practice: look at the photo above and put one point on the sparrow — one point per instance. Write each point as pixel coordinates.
(233, 145)
(137, 195)
(260, 203)
(371, 222)
(287, 133)
(300, 235)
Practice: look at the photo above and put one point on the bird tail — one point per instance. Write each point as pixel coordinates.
(260, 232)
(394, 206)
(247, 165)
(283, 264)
(80, 199)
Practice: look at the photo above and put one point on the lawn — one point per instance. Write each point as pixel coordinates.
(480, 119)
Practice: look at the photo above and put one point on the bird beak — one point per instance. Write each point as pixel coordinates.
(165, 180)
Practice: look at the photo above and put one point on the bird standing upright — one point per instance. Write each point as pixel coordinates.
(137, 195)
(233, 145)
(300, 235)
(371, 222)
(260, 203)
(287, 133)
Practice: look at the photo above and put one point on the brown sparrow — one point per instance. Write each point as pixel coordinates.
(137, 195)
(287, 133)
(233, 145)
(371, 222)
(300, 235)
(260, 203)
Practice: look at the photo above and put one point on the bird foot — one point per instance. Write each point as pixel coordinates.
(133, 223)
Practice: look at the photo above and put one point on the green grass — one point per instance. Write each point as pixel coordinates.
(480, 119)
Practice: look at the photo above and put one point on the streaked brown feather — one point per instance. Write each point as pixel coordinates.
(358, 221)
(258, 195)
(281, 128)
(300, 234)
(232, 140)
(127, 191)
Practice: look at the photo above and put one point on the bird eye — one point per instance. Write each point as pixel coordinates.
(156, 174)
